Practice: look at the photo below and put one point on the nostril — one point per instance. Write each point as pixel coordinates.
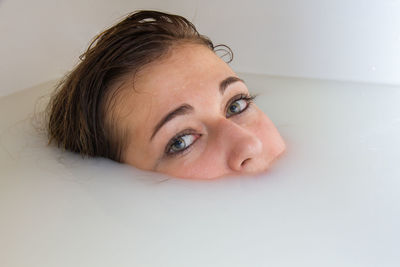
(244, 162)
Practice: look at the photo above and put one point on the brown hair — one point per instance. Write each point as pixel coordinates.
(80, 114)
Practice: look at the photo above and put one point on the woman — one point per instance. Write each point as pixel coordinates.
(151, 92)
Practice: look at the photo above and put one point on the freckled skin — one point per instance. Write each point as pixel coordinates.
(241, 144)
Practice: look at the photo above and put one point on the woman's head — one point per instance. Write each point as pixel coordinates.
(151, 92)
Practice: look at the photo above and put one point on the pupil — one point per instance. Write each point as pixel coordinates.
(178, 144)
(234, 108)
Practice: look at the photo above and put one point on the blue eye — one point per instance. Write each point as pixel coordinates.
(181, 143)
(238, 104)
(237, 107)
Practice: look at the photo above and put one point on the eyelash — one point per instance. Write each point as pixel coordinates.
(247, 97)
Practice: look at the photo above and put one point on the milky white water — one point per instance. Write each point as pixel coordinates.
(332, 200)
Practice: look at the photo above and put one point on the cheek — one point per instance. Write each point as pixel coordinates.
(204, 167)
(208, 163)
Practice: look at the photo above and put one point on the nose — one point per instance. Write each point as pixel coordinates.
(244, 149)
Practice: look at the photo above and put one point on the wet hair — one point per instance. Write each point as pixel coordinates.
(80, 114)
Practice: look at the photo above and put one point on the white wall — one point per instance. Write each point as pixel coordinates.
(357, 40)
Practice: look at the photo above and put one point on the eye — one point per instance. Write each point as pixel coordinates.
(180, 143)
(238, 105)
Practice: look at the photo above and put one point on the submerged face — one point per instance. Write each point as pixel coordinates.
(190, 116)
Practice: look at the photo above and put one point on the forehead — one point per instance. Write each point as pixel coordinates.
(187, 64)
(187, 70)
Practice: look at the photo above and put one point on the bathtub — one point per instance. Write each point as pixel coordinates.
(333, 199)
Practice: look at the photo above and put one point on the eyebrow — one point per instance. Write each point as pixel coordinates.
(226, 82)
(186, 108)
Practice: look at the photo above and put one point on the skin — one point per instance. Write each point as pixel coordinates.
(241, 143)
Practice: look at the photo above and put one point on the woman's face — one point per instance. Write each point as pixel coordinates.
(190, 116)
